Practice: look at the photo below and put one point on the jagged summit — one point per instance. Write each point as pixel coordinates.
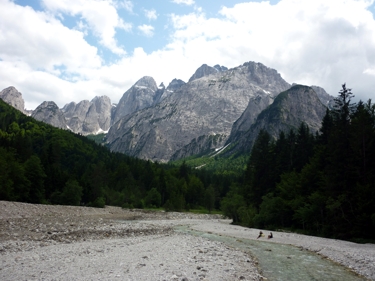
(220, 68)
(148, 82)
(89, 117)
(206, 70)
(197, 116)
(324, 97)
(289, 109)
(50, 113)
(216, 107)
(202, 71)
(175, 84)
(139, 96)
(14, 98)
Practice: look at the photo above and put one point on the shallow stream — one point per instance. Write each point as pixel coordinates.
(279, 262)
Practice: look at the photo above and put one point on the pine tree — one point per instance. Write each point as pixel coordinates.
(259, 169)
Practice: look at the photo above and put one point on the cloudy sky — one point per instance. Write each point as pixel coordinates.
(71, 50)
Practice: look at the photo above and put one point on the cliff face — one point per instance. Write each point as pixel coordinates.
(172, 87)
(139, 96)
(14, 98)
(256, 105)
(324, 97)
(50, 113)
(185, 122)
(217, 107)
(89, 117)
(204, 70)
(289, 109)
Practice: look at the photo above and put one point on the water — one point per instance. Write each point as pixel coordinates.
(279, 262)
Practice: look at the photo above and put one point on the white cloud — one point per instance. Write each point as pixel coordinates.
(319, 42)
(101, 17)
(369, 71)
(151, 14)
(42, 42)
(82, 26)
(127, 5)
(147, 30)
(185, 2)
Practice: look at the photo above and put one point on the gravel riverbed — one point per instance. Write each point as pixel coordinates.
(41, 242)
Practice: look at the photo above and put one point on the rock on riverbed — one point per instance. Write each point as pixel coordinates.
(39, 242)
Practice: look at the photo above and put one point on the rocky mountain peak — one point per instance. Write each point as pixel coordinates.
(289, 109)
(303, 105)
(100, 101)
(166, 92)
(264, 77)
(220, 68)
(143, 94)
(72, 109)
(89, 117)
(69, 107)
(196, 117)
(175, 85)
(324, 97)
(147, 82)
(204, 70)
(50, 113)
(14, 98)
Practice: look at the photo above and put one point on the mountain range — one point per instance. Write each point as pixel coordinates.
(218, 107)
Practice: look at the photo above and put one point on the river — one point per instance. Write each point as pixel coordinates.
(280, 262)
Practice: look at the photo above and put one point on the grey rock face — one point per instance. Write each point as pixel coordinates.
(204, 107)
(200, 145)
(14, 98)
(158, 94)
(139, 96)
(75, 115)
(76, 111)
(102, 107)
(324, 97)
(256, 105)
(172, 87)
(289, 109)
(89, 117)
(202, 71)
(50, 113)
(175, 85)
(220, 68)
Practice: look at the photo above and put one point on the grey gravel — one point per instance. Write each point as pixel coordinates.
(40, 242)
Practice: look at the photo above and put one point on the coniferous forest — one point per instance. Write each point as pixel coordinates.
(43, 164)
(319, 184)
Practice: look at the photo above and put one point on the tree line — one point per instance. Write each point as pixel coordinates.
(43, 164)
(320, 184)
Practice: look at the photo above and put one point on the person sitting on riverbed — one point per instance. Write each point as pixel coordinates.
(270, 235)
(260, 234)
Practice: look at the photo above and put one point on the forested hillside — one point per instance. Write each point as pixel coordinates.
(322, 184)
(42, 164)
(319, 184)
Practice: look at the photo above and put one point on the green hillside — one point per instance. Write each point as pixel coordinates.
(321, 184)
(42, 164)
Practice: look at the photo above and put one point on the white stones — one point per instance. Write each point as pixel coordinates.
(82, 246)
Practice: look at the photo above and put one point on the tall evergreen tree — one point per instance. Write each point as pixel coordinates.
(35, 174)
(259, 168)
